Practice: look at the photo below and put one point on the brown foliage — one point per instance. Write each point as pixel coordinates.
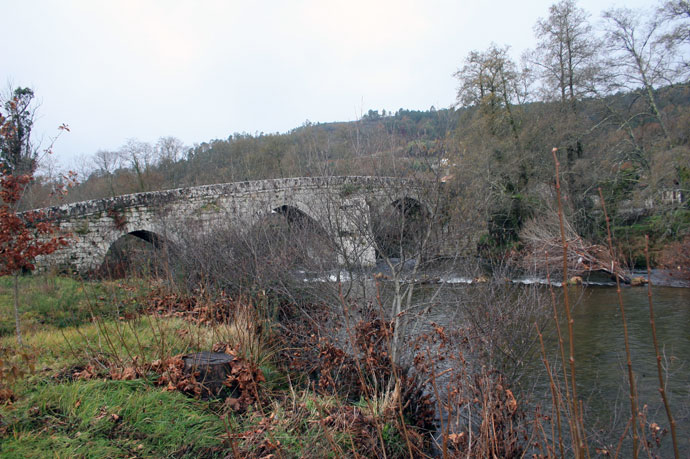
(14, 366)
(676, 256)
(196, 309)
(25, 236)
(472, 403)
(245, 378)
(119, 220)
(173, 376)
(355, 367)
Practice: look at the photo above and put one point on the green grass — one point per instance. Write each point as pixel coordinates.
(68, 324)
(114, 341)
(60, 302)
(108, 419)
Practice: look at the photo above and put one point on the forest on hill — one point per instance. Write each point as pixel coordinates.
(614, 100)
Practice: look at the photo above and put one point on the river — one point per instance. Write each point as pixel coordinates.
(600, 355)
(600, 351)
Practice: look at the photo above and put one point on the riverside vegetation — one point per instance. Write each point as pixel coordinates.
(358, 367)
(316, 372)
(101, 374)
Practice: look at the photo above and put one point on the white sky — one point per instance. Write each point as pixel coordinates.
(202, 70)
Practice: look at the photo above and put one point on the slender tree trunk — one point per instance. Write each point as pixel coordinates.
(561, 65)
(511, 120)
(112, 188)
(649, 92)
(16, 308)
(655, 109)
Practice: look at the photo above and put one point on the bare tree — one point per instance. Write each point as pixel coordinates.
(140, 157)
(566, 52)
(83, 165)
(107, 162)
(639, 57)
(169, 149)
(676, 14)
(492, 81)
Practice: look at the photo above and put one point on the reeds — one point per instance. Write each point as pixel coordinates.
(565, 402)
(652, 323)
(631, 375)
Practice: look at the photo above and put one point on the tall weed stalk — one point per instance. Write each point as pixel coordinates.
(652, 323)
(631, 375)
(566, 401)
(579, 440)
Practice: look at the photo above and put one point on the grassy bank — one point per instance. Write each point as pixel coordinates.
(101, 375)
(96, 379)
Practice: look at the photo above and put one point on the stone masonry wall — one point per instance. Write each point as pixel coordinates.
(339, 204)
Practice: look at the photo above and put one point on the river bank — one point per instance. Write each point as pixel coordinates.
(101, 375)
(101, 370)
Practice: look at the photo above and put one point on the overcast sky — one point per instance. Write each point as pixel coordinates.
(202, 70)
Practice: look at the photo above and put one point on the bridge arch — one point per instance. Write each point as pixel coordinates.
(149, 236)
(399, 226)
(297, 236)
(299, 218)
(135, 252)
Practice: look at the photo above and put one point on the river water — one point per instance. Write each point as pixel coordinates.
(601, 369)
(600, 361)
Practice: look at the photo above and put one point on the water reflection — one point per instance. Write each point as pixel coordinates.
(600, 351)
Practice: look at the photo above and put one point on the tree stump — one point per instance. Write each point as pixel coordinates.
(210, 369)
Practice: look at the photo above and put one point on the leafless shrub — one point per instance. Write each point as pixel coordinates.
(543, 247)
(500, 316)
(270, 256)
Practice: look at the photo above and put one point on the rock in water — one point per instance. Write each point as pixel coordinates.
(575, 280)
(210, 369)
(637, 281)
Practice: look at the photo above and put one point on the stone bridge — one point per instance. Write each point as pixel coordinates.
(341, 206)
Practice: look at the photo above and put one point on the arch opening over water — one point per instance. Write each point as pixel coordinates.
(299, 239)
(399, 228)
(136, 253)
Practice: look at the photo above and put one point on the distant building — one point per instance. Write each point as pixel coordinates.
(672, 196)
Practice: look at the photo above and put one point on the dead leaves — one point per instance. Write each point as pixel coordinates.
(12, 369)
(6, 396)
(173, 376)
(244, 378)
(128, 374)
(511, 403)
(87, 373)
(192, 308)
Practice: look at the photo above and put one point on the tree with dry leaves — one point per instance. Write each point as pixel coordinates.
(23, 236)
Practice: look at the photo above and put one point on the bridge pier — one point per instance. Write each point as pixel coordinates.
(356, 250)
